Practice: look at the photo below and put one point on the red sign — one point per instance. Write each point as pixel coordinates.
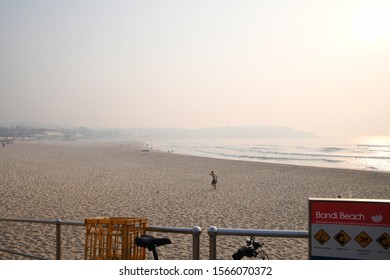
(349, 229)
(350, 213)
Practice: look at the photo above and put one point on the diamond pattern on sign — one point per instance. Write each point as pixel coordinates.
(384, 240)
(342, 238)
(322, 237)
(363, 239)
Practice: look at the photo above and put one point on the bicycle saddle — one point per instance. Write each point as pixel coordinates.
(151, 242)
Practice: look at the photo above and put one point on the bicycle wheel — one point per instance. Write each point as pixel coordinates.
(263, 255)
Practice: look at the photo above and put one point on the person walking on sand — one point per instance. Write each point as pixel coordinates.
(214, 179)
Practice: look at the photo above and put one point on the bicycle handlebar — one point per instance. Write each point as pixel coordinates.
(250, 250)
(244, 252)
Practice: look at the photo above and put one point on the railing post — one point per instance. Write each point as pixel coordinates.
(212, 242)
(58, 239)
(196, 231)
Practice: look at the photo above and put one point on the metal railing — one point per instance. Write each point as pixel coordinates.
(58, 224)
(213, 232)
(195, 231)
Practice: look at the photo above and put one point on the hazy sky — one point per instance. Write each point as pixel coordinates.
(317, 66)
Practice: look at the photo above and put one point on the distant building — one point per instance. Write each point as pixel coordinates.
(53, 135)
(6, 140)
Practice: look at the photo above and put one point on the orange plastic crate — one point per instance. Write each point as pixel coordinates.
(113, 238)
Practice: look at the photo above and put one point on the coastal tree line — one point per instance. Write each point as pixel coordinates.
(256, 131)
(25, 132)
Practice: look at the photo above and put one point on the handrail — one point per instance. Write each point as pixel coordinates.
(195, 231)
(214, 232)
(58, 224)
(38, 221)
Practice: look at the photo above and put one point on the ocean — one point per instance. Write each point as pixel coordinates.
(370, 153)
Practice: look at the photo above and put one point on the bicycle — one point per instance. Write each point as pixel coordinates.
(253, 249)
(150, 242)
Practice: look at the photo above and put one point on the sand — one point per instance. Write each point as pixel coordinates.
(72, 181)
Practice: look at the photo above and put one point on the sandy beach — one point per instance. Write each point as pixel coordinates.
(75, 180)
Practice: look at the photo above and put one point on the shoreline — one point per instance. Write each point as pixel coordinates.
(276, 163)
(76, 180)
(330, 154)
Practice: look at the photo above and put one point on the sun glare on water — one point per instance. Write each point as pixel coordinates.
(378, 149)
(383, 141)
(372, 21)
